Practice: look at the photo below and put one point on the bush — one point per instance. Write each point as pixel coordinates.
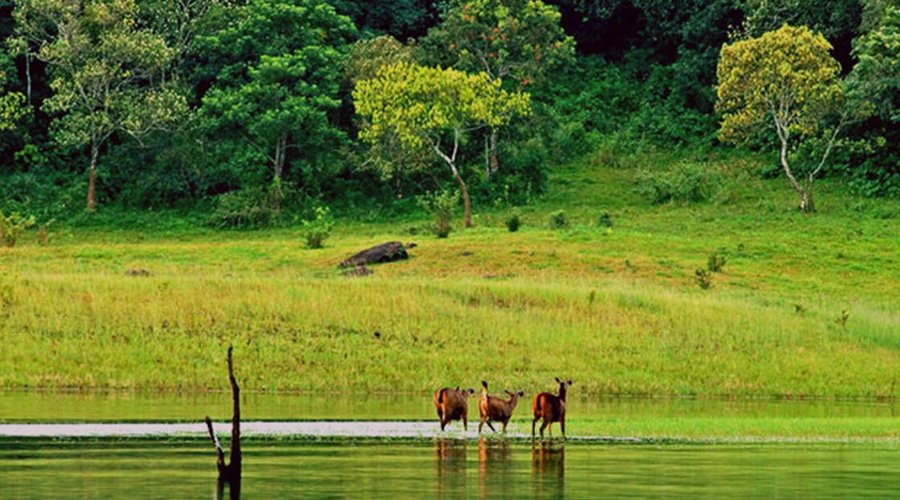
(605, 220)
(318, 229)
(716, 261)
(558, 220)
(12, 226)
(441, 206)
(686, 182)
(513, 223)
(704, 278)
(247, 208)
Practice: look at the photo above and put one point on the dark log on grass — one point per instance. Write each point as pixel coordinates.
(385, 252)
(231, 472)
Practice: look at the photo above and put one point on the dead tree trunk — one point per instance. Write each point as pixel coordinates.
(229, 473)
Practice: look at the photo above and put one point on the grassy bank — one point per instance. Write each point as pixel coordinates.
(619, 311)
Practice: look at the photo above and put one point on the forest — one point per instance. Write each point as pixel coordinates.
(256, 113)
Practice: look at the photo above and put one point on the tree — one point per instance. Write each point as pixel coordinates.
(13, 108)
(876, 77)
(104, 71)
(423, 106)
(784, 80)
(519, 41)
(368, 56)
(398, 18)
(277, 79)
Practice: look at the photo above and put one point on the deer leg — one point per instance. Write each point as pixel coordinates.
(491, 426)
(544, 425)
(480, 425)
(505, 423)
(562, 427)
(443, 423)
(533, 423)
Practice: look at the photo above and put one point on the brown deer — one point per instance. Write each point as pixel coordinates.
(551, 408)
(495, 409)
(452, 404)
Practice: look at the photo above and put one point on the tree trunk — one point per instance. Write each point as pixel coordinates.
(277, 194)
(92, 177)
(467, 204)
(235, 420)
(230, 473)
(28, 76)
(807, 203)
(495, 160)
(805, 194)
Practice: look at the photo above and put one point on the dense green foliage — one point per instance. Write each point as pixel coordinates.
(242, 114)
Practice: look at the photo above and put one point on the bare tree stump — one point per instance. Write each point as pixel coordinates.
(231, 472)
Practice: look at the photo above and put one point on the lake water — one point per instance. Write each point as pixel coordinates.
(426, 466)
(452, 469)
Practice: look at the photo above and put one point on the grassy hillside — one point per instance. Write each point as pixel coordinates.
(618, 310)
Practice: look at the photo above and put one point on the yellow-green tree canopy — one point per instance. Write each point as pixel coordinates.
(422, 107)
(421, 104)
(785, 78)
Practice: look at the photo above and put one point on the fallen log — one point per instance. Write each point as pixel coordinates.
(385, 252)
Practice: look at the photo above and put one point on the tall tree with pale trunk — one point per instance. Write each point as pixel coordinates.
(785, 82)
(435, 108)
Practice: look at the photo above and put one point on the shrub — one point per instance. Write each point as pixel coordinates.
(558, 220)
(513, 223)
(605, 220)
(12, 226)
(716, 261)
(686, 182)
(246, 208)
(318, 229)
(441, 206)
(704, 278)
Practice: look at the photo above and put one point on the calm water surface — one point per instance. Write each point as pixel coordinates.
(455, 469)
(427, 468)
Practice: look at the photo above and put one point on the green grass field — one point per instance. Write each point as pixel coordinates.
(619, 311)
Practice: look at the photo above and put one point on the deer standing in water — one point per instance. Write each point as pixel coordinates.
(496, 409)
(452, 404)
(551, 408)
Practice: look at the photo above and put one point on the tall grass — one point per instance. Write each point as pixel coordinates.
(616, 310)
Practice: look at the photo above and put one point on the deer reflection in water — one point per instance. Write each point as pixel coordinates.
(548, 469)
(451, 464)
(495, 471)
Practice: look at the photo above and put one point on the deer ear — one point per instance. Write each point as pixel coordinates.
(484, 384)
(570, 382)
(457, 388)
(471, 391)
(510, 394)
(521, 393)
(558, 380)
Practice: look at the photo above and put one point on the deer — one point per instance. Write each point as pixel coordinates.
(551, 408)
(493, 408)
(452, 404)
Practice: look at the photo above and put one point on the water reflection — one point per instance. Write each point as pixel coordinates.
(495, 470)
(548, 469)
(234, 489)
(451, 465)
